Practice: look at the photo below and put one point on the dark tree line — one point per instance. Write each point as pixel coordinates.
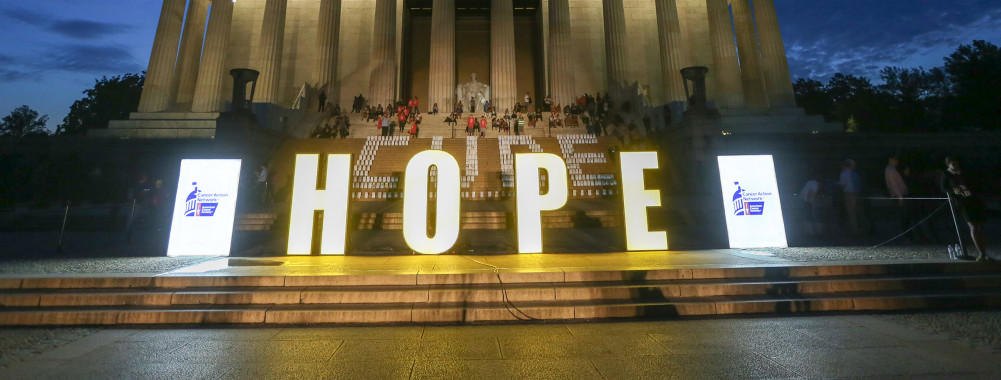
(110, 99)
(23, 122)
(963, 95)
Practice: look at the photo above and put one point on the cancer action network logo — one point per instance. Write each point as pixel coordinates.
(746, 203)
(200, 203)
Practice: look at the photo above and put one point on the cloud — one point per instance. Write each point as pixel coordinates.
(25, 16)
(8, 75)
(860, 37)
(92, 59)
(70, 28)
(70, 58)
(85, 30)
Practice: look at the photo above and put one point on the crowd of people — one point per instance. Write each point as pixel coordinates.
(912, 198)
(339, 127)
(599, 114)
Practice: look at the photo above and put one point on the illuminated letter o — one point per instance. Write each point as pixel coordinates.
(415, 202)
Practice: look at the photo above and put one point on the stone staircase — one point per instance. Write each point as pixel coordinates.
(434, 125)
(495, 220)
(486, 163)
(443, 296)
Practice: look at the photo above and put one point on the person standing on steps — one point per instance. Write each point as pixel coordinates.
(968, 204)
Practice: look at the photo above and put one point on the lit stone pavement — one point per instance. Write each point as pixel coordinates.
(766, 348)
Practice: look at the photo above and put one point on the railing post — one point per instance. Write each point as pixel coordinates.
(955, 222)
(132, 218)
(265, 197)
(62, 229)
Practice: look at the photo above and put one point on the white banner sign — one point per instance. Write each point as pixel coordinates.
(205, 208)
(751, 202)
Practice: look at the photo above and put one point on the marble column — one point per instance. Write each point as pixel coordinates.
(775, 64)
(270, 52)
(186, 69)
(561, 53)
(441, 72)
(615, 44)
(725, 75)
(503, 68)
(156, 90)
(750, 56)
(673, 55)
(212, 73)
(327, 44)
(382, 85)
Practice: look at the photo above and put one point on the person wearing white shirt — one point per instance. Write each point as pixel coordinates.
(897, 189)
(809, 195)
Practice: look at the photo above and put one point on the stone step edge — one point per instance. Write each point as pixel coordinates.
(691, 299)
(496, 312)
(925, 280)
(485, 294)
(487, 276)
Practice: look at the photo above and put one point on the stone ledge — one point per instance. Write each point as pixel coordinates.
(174, 116)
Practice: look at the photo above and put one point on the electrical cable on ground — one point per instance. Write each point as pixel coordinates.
(507, 301)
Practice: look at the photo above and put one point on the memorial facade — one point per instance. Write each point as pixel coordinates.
(387, 50)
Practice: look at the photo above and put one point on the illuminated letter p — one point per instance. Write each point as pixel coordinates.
(530, 203)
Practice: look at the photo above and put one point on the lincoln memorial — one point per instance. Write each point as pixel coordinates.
(387, 50)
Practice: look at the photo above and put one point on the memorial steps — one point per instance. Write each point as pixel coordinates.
(434, 125)
(382, 161)
(379, 163)
(459, 296)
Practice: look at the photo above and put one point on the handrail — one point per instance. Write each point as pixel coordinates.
(297, 103)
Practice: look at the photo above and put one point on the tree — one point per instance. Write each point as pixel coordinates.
(917, 98)
(110, 99)
(975, 71)
(856, 98)
(24, 122)
(813, 97)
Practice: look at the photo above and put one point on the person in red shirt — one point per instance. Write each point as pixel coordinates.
(414, 129)
(402, 122)
(483, 125)
(470, 124)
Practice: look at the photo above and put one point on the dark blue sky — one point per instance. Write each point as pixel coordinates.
(52, 50)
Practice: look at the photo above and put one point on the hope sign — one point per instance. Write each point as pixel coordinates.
(331, 197)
